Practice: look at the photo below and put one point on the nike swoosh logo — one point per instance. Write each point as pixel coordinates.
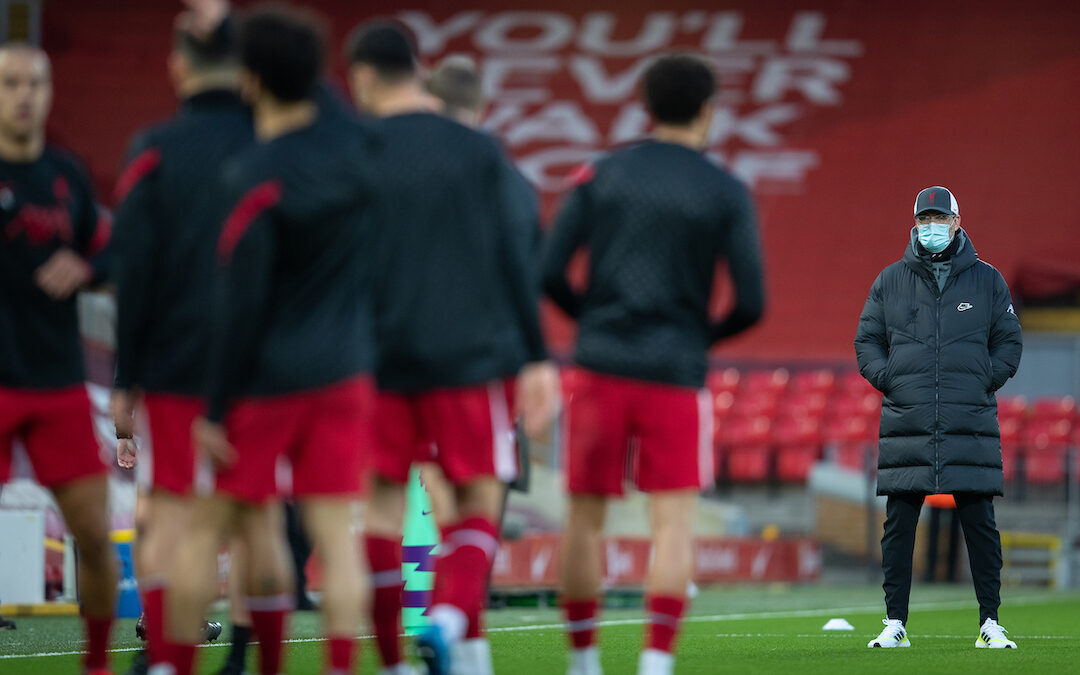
(964, 306)
(425, 513)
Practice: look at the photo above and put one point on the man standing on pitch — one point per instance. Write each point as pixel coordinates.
(460, 348)
(163, 266)
(50, 238)
(656, 218)
(938, 336)
(291, 350)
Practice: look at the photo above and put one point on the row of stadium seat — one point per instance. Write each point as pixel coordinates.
(772, 425)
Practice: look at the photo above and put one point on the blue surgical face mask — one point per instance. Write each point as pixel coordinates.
(935, 236)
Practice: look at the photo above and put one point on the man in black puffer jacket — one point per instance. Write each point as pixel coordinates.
(938, 336)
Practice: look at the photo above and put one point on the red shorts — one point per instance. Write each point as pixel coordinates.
(468, 431)
(659, 435)
(56, 428)
(306, 444)
(166, 456)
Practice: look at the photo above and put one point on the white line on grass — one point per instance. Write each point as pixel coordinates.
(739, 616)
(856, 635)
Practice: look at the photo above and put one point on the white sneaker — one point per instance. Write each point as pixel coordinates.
(894, 635)
(471, 657)
(585, 661)
(402, 668)
(992, 636)
(656, 662)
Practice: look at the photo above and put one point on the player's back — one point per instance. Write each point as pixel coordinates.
(447, 212)
(310, 190)
(656, 218)
(166, 233)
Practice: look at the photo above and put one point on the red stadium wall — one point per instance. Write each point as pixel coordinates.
(837, 113)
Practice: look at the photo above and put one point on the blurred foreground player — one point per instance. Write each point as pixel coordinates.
(457, 321)
(49, 231)
(291, 350)
(656, 218)
(164, 242)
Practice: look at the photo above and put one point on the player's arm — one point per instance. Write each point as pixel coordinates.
(566, 237)
(1006, 342)
(246, 254)
(521, 232)
(133, 259)
(743, 254)
(871, 340)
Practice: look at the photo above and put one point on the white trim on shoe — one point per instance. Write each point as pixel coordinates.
(992, 636)
(893, 635)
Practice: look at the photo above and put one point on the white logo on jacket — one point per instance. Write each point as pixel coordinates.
(964, 306)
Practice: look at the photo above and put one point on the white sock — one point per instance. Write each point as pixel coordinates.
(452, 620)
(586, 661)
(655, 662)
(471, 657)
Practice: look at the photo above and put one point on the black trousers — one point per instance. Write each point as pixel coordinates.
(976, 514)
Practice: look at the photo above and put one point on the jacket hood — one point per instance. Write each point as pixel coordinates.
(918, 259)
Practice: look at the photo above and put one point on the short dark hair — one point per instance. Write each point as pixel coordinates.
(456, 82)
(385, 45)
(676, 87)
(215, 52)
(283, 47)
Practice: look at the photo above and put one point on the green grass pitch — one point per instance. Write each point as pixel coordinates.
(748, 629)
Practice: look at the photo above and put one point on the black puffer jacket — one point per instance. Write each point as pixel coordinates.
(938, 357)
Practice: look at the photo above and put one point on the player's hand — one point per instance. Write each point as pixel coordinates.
(122, 406)
(63, 274)
(211, 442)
(203, 17)
(538, 398)
(125, 453)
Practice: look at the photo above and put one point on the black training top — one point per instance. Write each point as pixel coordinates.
(293, 301)
(655, 217)
(457, 290)
(45, 205)
(164, 243)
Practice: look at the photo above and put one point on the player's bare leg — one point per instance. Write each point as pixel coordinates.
(328, 522)
(193, 578)
(239, 616)
(84, 505)
(382, 542)
(580, 576)
(670, 574)
(468, 547)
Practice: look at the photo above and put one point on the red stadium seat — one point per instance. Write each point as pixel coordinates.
(719, 381)
(745, 431)
(845, 429)
(804, 404)
(722, 406)
(819, 381)
(1011, 430)
(1054, 409)
(849, 454)
(1012, 407)
(748, 463)
(851, 382)
(796, 431)
(774, 381)
(793, 463)
(1041, 434)
(755, 404)
(866, 406)
(1045, 466)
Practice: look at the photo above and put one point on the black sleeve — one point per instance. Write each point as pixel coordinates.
(93, 227)
(246, 256)
(743, 254)
(871, 341)
(134, 236)
(1006, 342)
(521, 227)
(567, 236)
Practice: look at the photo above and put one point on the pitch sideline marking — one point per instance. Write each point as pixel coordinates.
(740, 616)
